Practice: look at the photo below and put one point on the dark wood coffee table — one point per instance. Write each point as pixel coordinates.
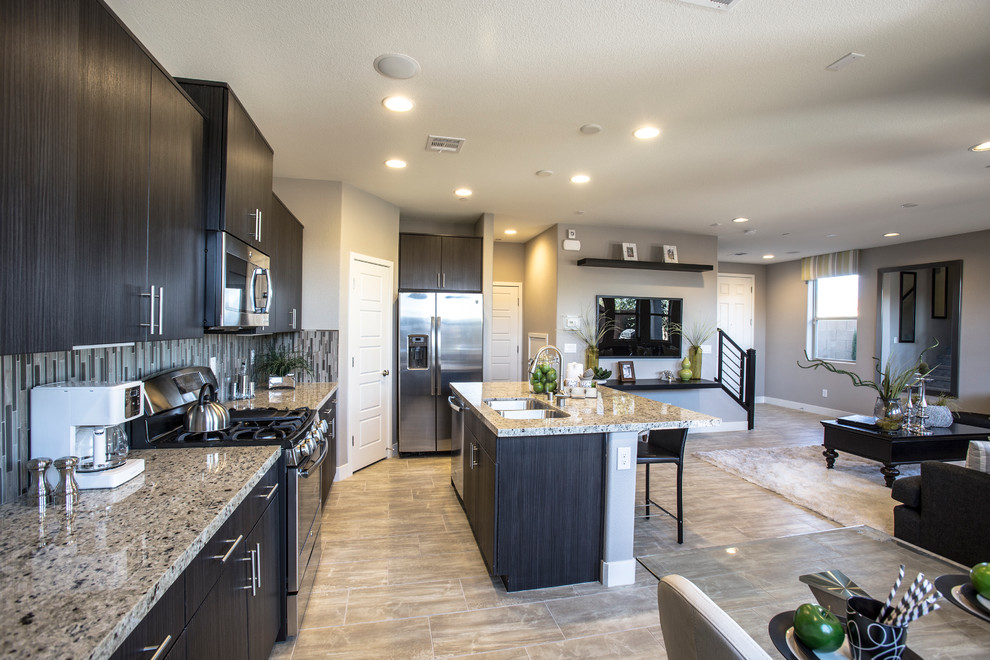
(900, 447)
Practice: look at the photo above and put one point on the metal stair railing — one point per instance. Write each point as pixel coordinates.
(737, 374)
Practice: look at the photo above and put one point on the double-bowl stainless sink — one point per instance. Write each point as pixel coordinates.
(524, 408)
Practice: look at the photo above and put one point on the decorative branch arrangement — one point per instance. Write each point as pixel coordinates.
(698, 333)
(592, 328)
(921, 599)
(888, 383)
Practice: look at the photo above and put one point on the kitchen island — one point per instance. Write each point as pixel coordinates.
(76, 586)
(551, 499)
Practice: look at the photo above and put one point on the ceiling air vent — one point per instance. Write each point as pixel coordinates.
(441, 144)
(724, 5)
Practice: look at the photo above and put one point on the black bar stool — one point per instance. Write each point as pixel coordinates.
(664, 446)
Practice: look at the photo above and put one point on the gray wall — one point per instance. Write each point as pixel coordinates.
(123, 363)
(759, 272)
(577, 286)
(509, 262)
(787, 322)
(540, 287)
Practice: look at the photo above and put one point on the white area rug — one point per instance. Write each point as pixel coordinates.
(851, 494)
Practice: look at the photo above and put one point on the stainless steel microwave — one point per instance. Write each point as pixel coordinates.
(239, 289)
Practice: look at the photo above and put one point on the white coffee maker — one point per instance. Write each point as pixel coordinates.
(85, 420)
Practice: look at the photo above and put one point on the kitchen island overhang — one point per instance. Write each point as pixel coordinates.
(619, 417)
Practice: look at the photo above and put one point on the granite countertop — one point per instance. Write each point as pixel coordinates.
(308, 395)
(611, 411)
(76, 586)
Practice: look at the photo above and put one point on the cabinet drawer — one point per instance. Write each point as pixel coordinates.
(158, 631)
(485, 437)
(205, 569)
(263, 493)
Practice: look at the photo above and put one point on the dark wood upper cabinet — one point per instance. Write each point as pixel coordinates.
(286, 235)
(111, 215)
(176, 238)
(38, 63)
(439, 263)
(238, 166)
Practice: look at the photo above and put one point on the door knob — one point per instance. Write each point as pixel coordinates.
(385, 372)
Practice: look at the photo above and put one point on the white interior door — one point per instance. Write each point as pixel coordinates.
(735, 308)
(505, 356)
(369, 347)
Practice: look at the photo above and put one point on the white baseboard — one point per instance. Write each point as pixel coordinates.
(343, 472)
(618, 573)
(807, 407)
(759, 399)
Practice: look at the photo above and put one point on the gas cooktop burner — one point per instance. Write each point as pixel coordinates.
(209, 436)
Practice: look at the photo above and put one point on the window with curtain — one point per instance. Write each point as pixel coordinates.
(833, 309)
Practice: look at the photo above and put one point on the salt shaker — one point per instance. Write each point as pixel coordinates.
(41, 493)
(67, 491)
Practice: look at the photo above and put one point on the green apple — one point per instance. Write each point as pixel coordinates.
(980, 577)
(817, 628)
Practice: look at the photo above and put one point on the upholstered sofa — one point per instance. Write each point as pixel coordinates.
(945, 510)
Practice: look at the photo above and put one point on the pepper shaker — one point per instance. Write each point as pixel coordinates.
(67, 491)
(41, 493)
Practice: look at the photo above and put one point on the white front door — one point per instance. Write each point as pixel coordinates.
(735, 308)
(505, 357)
(369, 348)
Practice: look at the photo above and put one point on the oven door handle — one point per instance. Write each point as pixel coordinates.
(323, 456)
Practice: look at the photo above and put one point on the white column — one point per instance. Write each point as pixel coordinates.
(618, 563)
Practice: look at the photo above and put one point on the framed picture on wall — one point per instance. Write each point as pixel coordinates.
(629, 252)
(670, 254)
(627, 372)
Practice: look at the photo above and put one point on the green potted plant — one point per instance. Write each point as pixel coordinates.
(592, 330)
(279, 365)
(696, 336)
(888, 384)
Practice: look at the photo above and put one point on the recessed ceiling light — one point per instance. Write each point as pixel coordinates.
(463, 192)
(647, 132)
(891, 234)
(738, 254)
(579, 213)
(590, 129)
(830, 235)
(909, 205)
(793, 252)
(983, 146)
(740, 219)
(510, 232)
(396, 163)
(397, 103)
(768, 256)
(749, 232)
(544, 173)
(715, 224)
(396, 65)
(580, 178)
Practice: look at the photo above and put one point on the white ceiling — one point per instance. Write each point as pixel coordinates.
(753, 124)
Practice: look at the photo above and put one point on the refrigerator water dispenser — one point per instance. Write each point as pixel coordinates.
(419, 352)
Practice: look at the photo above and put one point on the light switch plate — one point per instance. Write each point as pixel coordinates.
(570, 348)
(572, 322)
(571, 233)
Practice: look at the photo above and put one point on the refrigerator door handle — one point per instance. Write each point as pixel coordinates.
(432, 359)
(436, 358)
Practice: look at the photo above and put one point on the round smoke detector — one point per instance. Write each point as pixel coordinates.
(396, 65)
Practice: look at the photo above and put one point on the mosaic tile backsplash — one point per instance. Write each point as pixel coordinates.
(116, 364)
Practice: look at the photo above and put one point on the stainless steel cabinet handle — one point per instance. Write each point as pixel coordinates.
(159, 650)
(257, 554)
(292, 314)
(474, 455)
(271, 493)
(438, 280)
(151, 296)
(161, 309)
(226, 556)
(254, 571)
(259, 225)
(443, 283)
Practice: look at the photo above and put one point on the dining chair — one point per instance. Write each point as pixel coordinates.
(664, 446)
(695, 628)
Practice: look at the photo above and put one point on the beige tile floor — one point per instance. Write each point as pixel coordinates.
(401, 576)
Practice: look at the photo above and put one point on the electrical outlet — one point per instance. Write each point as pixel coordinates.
(825, 393)
(625, 458)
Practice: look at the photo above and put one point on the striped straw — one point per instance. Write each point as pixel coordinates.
(897, 585)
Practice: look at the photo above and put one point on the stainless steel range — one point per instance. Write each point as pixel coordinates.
(298, 431)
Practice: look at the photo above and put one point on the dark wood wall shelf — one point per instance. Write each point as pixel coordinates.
(644, 265)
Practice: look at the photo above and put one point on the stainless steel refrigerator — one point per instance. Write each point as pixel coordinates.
(440, 342)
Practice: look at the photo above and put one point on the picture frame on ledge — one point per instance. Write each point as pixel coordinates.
(629, 252)
(670, 254)
(627, 371)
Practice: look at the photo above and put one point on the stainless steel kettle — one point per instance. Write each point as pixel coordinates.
(207, 415)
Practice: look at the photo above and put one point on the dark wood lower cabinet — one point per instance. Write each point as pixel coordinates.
(536, 505)
(231, 599)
